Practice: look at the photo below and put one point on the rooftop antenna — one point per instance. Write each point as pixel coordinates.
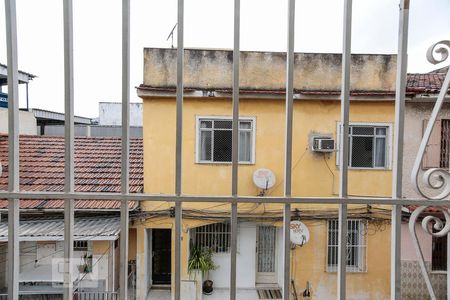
(171, 33)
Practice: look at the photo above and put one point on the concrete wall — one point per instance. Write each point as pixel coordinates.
(27, 122)
(207, 69)
(110, 113)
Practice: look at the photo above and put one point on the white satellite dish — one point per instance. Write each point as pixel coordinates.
(264, 178)
(299, 233)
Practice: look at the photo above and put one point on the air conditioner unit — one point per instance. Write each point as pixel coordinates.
(323, 144)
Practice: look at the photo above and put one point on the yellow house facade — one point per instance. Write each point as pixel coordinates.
(207, 170)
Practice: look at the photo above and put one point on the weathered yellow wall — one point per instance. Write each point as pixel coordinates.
(313, 175)
(309, 264)
(100, 247)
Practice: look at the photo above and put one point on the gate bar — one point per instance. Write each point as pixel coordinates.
(288, 149)
(235, 148)
(124, 217)
(397, 170)
(13, 150)
(178, 146)
(69, 186)
(343, 189)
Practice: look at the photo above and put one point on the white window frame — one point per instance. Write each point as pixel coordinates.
(389, 144)
(362, 247)
(223, 118)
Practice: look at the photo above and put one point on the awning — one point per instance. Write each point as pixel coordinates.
(85, 229)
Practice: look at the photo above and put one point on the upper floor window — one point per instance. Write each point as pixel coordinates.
(369, 146)
(214, 140)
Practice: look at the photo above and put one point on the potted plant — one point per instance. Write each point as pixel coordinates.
(201, 260)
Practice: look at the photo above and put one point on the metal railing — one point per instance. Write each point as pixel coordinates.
(14, 194)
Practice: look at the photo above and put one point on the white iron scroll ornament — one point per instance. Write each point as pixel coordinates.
(435, 179)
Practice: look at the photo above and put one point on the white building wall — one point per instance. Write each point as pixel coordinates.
(110, 113)
(246, 260)
(27, 122)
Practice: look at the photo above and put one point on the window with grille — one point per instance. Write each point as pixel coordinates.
(214, 140)
(368, 146)
(213, 236)
(439, 254)
(80, 246)
(445, 144)
(356, 246)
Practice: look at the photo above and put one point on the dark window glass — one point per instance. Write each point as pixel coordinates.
(362, 152)
(439, 254)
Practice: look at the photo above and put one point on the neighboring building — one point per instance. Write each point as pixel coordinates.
(47, 119)
(110, 114)
(27, 120)
(421, 96)
(107, 125)
(207, 171)
(96, 232)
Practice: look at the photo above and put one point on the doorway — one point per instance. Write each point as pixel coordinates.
(265, 255)
(161, 256)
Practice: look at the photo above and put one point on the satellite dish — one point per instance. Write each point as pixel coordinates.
(264, 178)
(299, 233)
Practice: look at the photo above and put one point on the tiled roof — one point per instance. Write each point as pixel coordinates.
(425, 83)
(97, 169)
(429, 209)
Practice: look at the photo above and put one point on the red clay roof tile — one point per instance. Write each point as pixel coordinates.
(97, 169)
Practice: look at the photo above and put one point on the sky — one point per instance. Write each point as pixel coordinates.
(208, 24)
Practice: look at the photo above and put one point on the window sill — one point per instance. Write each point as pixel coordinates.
(438, 272)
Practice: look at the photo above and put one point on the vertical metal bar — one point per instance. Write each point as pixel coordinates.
(288, 149)
(69, 148)
(178, 146)
(124, 218)
(397, 170)
(234, 224)
(235, 147)
(13, 150)
(343, 190)
(178, 219)
(448, 267)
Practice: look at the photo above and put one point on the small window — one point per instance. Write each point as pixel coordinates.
(215, 140)
(368, 146)
(356, 246)
(439, 254)
(80, 246)
(213, 236)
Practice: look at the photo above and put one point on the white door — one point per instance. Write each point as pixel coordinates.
(265, 255)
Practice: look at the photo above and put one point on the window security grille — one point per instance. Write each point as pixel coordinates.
(215, 141)
(356, 246)
(80, 246)
(445, 144)
(213, 236)
(367, 147)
